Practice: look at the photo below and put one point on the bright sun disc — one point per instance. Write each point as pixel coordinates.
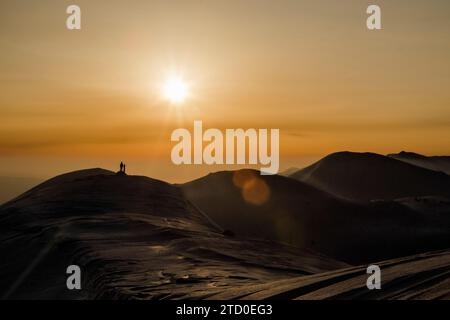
(175, 90)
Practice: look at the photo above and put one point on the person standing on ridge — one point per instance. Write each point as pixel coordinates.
(121, 167)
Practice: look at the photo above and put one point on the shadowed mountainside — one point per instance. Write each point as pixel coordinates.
(421, 277)
(436, 163)
(369, 176)
(133, 238)
(139, 238)
(299, 214)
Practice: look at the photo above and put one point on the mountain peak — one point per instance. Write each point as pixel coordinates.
(406, 154)
(369, 176)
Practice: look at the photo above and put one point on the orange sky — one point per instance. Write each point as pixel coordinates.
(71, 99)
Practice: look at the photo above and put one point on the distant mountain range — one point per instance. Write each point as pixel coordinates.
(302, 215)
(370, 176)
(436, 163)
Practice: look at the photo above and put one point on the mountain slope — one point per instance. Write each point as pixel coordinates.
(369, 176)
(133, 238)
(419, 277)
(299, 214)
(436, 163)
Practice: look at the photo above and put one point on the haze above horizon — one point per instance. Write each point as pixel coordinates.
(310, 68)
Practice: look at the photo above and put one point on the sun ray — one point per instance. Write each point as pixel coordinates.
(175, 89)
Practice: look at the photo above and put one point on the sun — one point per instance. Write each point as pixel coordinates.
(175, 89)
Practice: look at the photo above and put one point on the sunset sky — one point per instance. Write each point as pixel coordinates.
(93, 97)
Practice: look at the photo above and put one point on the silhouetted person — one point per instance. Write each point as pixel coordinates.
(124, 166)
(121, 166)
